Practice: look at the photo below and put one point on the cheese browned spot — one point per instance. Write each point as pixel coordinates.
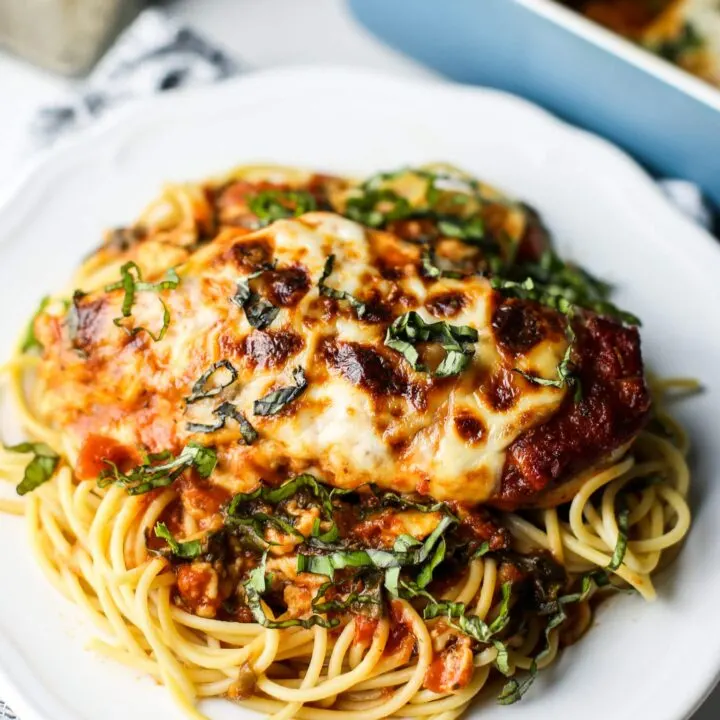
(469, 427)
(271, 348)
(445, 305)
(87, 321)
(362, 365)
(502, 390)
(519, 325)
(286, 286)
(250, 255)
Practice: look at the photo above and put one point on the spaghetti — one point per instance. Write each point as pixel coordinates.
(334, 612)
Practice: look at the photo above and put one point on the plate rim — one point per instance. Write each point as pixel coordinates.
(30, 700)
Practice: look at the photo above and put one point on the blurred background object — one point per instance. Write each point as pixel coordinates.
(65, 36)
(685, 32)
(540, 49)
(153, 55)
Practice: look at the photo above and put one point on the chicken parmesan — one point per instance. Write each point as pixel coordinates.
(328, 446)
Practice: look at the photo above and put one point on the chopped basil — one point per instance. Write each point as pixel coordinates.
(227, 411)
(396, 500)
(502, 659)
(529, 290)
(457, 341)
(503, 616)
(40, 468)
(196, 427)
(468, 230)
(30, 341)
(556, 609)
(131, 284)
(258, 521)
(566, 376)
(199, 389)
(375, 208)
(484, 549)
(426, 574)
(429, 269)
(515, 689)
(259, 312)
(562, 286)
(271, 205)
(471, 625)
(406, 552)
(274, 402)
(146, 477)
(188, 550)
(329, 536)
(256, 585)
(287, 490)
(622, 541)
(238, 511)
(326, 291)
(73, 316)
(349, 602)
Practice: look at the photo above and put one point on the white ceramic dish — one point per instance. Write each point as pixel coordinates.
(641, 661)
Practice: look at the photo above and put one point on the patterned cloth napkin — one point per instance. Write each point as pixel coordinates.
(155, 55)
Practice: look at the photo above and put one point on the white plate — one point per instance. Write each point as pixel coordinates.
(652, 661)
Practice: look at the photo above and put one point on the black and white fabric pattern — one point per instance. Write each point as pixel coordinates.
(153, 55)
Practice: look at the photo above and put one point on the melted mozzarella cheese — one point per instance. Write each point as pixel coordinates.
(366, 415)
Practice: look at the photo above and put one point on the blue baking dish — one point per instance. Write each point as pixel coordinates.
(666, 118)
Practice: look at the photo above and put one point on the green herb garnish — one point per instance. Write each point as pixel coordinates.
(327, 291)
(259, 312)
(376, 208)
(468, 230)
(514, 689)
(148, 476)
(406, 552)
(566, 375)
(274, 402)
(390, 498)
(271, 205)
(227, 411)
(256, 586)
(563, 287)
(30, 341)
(349, 602)
(623, 517)
(40, 468)
(429, 268)
(240, 505)
(457, 341)
(187, 550)
(133, 283)
(200, 390)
